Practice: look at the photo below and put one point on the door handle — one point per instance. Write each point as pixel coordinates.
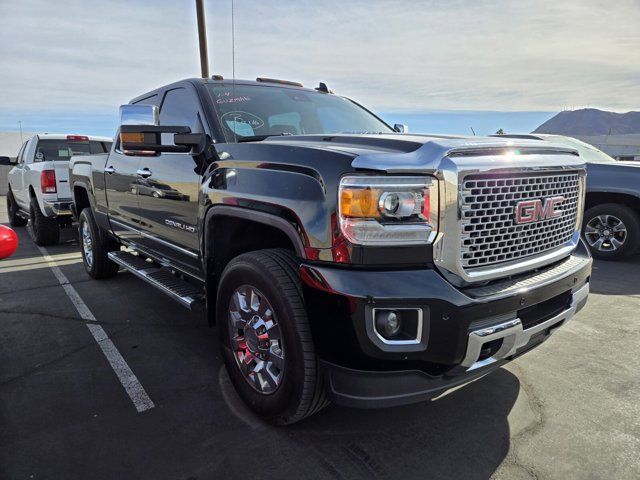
(110, 170)
(144, 173)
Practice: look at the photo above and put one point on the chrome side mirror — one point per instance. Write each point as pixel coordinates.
(400, 128)
(139, 115)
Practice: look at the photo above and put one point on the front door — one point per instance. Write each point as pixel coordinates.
(169, 187)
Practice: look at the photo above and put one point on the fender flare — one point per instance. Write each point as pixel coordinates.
(256, 216)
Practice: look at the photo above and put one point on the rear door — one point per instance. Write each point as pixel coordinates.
(168, 191)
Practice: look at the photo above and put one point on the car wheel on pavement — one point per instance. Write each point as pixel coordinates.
(15, 220)
(266, 337)
(43, 230)
(612, 231)
(95, 247)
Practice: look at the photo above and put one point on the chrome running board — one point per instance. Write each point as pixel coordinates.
(183, 292)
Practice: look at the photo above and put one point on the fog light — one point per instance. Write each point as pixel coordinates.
(388, 323)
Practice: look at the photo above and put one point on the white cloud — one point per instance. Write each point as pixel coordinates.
(472, 55)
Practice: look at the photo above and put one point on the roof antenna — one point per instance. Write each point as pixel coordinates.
(233, 66)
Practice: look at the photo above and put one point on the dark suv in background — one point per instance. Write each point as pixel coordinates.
(611, 226)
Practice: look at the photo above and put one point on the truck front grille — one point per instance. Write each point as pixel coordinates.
(489, 232)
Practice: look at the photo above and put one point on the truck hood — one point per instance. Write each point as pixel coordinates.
(401, 153)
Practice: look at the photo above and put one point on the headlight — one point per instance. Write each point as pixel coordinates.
(388, 210)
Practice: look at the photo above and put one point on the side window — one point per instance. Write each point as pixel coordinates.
(180, 108)
(152, 100)
(20, 156)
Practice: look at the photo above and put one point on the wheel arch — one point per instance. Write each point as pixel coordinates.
(631, 200)
(230, 231)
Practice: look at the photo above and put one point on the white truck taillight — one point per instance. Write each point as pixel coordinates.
(48, 181)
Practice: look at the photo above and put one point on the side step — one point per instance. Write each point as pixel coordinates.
(183, 292)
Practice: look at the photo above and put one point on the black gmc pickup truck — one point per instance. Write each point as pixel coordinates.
(339, 258)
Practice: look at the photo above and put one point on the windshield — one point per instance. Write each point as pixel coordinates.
(589, 153)
(253, 112)
(56, 150)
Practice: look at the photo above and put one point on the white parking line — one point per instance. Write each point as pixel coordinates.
(130, 382)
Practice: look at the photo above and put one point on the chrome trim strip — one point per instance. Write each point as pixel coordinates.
(514, 335)
(154, 238)
(386, 341)
(446, 247)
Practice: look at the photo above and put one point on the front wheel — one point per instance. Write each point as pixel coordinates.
(95, 247)
(612, 231)
(266, 338)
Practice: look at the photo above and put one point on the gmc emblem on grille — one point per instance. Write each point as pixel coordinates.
(529, 211)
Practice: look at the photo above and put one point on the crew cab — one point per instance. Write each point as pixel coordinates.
(39, 183)
(611, 226)
(340, 259)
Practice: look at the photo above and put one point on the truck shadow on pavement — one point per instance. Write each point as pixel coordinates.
(616, 278)
(463, 435)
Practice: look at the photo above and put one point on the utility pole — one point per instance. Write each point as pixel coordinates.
(202, 37)
(20, 124)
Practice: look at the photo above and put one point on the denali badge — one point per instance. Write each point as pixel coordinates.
(181, 226)
(529, 211)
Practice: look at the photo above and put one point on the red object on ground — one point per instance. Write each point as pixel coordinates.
(8, 242)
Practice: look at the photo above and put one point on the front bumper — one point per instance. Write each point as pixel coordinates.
(466, 333)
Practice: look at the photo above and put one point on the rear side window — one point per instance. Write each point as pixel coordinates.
(58, 150)
(152, 100)
(99, 147)
(179, 109)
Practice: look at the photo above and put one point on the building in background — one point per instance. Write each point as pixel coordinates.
(620, 147)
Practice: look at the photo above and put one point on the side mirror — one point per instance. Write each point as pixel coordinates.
(140, 133)
(400, 128)
(6, 161)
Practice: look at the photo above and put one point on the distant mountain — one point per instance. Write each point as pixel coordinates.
(591, 121)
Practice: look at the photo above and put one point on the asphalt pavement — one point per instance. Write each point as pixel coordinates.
(570, 409)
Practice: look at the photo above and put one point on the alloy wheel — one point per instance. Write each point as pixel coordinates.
(605, 233)
(256, 340)
(87, 244)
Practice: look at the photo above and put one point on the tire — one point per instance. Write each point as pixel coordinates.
(95, 247)
(273, 275)
(43, 230)
(15, 220)
(612, 231)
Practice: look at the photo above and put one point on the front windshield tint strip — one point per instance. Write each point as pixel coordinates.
(254, 112)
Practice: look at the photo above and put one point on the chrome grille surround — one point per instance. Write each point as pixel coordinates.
(489, 232)
(447, 248)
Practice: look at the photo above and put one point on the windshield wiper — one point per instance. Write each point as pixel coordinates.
(258, 138)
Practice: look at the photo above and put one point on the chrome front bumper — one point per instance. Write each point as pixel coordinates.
(514, 336)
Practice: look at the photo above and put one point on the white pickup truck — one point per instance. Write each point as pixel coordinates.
(39, 190)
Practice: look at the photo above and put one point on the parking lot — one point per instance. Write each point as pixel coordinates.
(569, 409)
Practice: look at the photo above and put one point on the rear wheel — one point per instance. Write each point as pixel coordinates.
(95, 247)
(266, 338)
(612, 231)
(15, 220)
(43, 230)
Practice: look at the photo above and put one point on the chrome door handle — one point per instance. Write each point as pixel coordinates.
(110, 170)
(144, 173)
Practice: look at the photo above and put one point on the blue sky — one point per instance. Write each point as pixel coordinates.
(439, 66)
